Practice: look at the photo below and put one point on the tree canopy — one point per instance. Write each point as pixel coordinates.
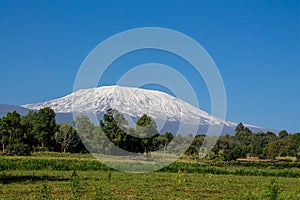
(38, 131)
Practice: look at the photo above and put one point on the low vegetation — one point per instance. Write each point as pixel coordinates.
(44, 160)
(101, 184)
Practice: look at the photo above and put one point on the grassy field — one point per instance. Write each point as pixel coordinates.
(32, 178)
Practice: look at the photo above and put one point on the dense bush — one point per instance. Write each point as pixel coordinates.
(19, 149)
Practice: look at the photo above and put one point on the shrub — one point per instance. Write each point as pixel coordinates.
(19, 149)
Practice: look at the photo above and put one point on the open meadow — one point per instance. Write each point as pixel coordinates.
(80, 176)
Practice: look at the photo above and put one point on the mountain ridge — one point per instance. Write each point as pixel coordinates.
(134, 102)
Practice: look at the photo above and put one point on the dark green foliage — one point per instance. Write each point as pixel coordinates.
(30, 163)
(39, 128)
(113, 126)
(44, 127)
(19, 135)
(282, 134)
(146, 129)
(88, 134)
(262, 145)
(11, 130)
(143, 139)
(243, 134)
(19, 149)
(288, 146)
(38, 131)
(237, 152)
(69, 164)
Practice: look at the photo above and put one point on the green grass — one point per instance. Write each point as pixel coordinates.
(91, 164)
(156, 185)
(79, 176)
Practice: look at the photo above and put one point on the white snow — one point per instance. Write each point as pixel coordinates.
(130, 101)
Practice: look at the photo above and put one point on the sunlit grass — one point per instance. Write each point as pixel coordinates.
(155, 185)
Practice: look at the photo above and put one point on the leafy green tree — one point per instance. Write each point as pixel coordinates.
(84, 127)
(237, 152)
(257, 142)
(146, 129)
(296, 143)
(28, 122)
(99, 143)
(195, 148)
(273, 149)
(239, 128)
(3, 134)
(11, 130)
(113, 126)
(289, 146)
(161, 141)
(283, 134)
(45, 127)
(227, 155)
(133, 143)
(243, 134)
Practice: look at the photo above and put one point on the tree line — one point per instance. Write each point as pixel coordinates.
(36, 131)
(113, 131)
(39, 131)
(244, 143)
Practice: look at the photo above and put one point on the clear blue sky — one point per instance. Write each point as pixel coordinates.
(255, 44)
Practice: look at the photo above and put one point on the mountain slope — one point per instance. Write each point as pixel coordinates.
(5, 108)
(60, 117)
(134, 102)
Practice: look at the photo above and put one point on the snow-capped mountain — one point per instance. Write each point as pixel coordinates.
(169, 112)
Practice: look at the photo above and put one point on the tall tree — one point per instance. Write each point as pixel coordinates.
(28, 122)
(113, 126)
(45, 127)
(146, 129)
(243, 134)
(84, 127)
(11, 130)
(66, 137)
(3, 134)
(240, 128)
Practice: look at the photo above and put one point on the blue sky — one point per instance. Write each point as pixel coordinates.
(255, 44)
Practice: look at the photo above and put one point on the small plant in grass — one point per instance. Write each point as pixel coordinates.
(98, 195)
(250, 196)
(273, 190)
(109, 175)
(101, 193)
(45, 192)
(181, 177)
(75, 186)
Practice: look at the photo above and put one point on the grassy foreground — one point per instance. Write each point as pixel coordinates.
(52, 176)
(156, 185)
